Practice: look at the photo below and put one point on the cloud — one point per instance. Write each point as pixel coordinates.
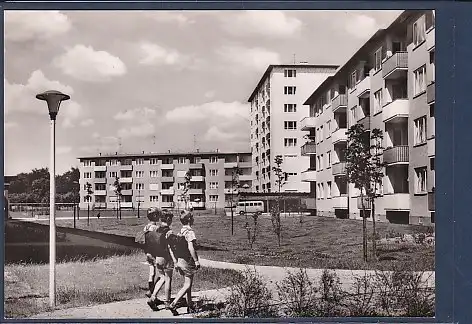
(141, 130)
(210, 110)
(156, 55)
(136, 113)
(86, 64)
(210, 94)
(271, 23)
(63, 149)
(87, 122)
(170, 17)
(361, 26)
(248, 58)
(22, 26)
(214, 134)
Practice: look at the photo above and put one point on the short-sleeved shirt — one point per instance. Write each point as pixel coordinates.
(188, 233)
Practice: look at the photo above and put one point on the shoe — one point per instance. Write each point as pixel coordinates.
(191, 309)
(173, 310)
(152, 304)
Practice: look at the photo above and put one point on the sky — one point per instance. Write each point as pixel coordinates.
(155, 81)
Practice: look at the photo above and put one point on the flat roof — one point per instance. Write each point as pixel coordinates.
(157, 154)
(288, 66)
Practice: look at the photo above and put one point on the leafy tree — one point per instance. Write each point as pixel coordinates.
(280, 180)
(118, 189)
(88, 188)
(235, 173)
(186, 190)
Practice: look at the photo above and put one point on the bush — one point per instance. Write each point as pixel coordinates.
(250, 297)
(298, 293)
(331, 295)
(361, 301)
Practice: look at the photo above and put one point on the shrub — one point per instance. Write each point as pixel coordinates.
(361, 301)
(250, 297)
(331, 295)
(298, 293)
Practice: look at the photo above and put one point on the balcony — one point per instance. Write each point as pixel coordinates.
(431, 147)
(126, 205)
(197, 204)
(127, 167)
(231, 165)
(126, 180)
(167, 204)
(127, 192)
(229, 191)
(339, 169)
(396, 155)
(228, 178)
(430, 39)
(430, 93)
(339, 202)
(396, 201)
(243, 165)
(197, 178)
(100, 192)
(431, 201)
(98, 205)
(169, 191)
(339, 102)
(167, 166)
(363, 88)
(395, 66)
(310, 203)
(367, 203)
(309, 175)
(365, 122)
(395, 110)
(195, 191)
(339, 135)
(196, 166)
(167, 179)
(100, 180)
(307, 123)
(308, 148)
(99, 168)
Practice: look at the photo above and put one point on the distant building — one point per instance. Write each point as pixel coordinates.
(388, 84)
(276, 109)
(156, 179)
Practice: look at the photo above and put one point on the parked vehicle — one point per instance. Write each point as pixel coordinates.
(250, 207)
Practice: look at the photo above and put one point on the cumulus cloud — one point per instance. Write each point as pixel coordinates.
(261, 23)
(136, 113)
(63, 149)
(214, 134)
(210, 110)
(141, 130)
(156, 55)
(210, 94)
(361, 26)
(256, 58)
(22, 25)
(86, 64)
(87, 122)
(177, 17)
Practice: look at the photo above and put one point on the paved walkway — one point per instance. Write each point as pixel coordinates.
(137, 308)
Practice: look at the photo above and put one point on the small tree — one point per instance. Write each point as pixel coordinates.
(186, 189)
(235, 173)
(118, 189)
(280, 180)
(252, 232)
(88, 188)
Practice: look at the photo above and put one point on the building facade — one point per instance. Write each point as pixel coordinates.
(388, 84)
(157, 180)
(276, 109)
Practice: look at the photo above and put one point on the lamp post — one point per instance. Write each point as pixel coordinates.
(53, 98)
(245, 187)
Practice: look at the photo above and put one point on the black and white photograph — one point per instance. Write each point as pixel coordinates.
(219, 164)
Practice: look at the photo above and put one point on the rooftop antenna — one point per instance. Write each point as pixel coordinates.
(119, 144)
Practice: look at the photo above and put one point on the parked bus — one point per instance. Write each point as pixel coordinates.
(250, 207)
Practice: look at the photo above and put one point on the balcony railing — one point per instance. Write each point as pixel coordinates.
(310, 203)
(339, 168)
(339, 101)
(339, 135)
(196, 165)
(127, 192)
(167, 204)
(363, 87)
(197, 178)
(167, 191)
(430, 93)
(247, 164)
(126, 204)
(166, 179)
(195, 191)
(308, 148)
(308, 176)
(396, 63)
(399, 108)
(431, 201)
(396, 154)
(396, 201)
(126, 180)
(100, 180)
(365, 122)
(229, 191)
(307, 123)
(230, 165)
(431, 147)
(100, 192)
(99, 168)
(127, 167)
(367, 203)
(430, 39)
(339, 202)
(245, 177)
(166, 166)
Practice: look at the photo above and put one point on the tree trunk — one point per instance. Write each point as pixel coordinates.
(374, 230)
(364, 229)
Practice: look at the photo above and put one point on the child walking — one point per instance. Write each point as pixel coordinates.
(164, 260)
(187, 264)
(154, 215)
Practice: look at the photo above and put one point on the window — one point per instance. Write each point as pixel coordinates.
(139, 186)
(321, 162)
(154, 199)
(378, 60)
(328, 127)
(290, 107)
(290, 125)
(420, 183)
(290, 142)
(167, 161)
(213, 198)
(87, 175)
(213, 159)
(153, 161)
(420, 80)
(318, 164)
(430, 18)
(353, 80)
(289, 73)
(154, 174)
(431, 110)
(420, 130)
(419, 31)
(213, 172)
(87, 198)
(328, 187)
(181, 160)
(290, 90)
(328, 156)
(321, 191)
(139, 174)
(213, 185)
(431, 163)
(322, 134)
(87, 163)
(354, 115)
(378, 101)
(139, 161)
(113, 174)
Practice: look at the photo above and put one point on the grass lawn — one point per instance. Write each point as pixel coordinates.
(91, 282)
(319, 242)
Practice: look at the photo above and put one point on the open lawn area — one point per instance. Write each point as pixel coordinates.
(317, 242)
(91, 282)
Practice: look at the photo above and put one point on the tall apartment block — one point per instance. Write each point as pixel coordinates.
(388, 84)
(157, 180)
(276, 109)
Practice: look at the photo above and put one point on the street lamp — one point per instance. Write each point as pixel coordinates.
(53, 98)
(245, 187)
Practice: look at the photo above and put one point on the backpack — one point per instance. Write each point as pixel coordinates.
(156, 242)
(179, 246)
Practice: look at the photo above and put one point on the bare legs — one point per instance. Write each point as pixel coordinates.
(186, 289)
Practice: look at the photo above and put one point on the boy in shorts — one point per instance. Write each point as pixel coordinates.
(187, 260)
(154, 215)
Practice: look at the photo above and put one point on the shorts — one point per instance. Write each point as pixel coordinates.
(162, 264)
(186, 268)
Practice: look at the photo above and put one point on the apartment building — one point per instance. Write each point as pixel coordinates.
(388, 84)
(157, 179)
(276, 109)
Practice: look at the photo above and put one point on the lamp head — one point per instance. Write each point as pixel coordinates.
(53, 99)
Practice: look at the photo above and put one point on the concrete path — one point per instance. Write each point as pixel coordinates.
(137, 308)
